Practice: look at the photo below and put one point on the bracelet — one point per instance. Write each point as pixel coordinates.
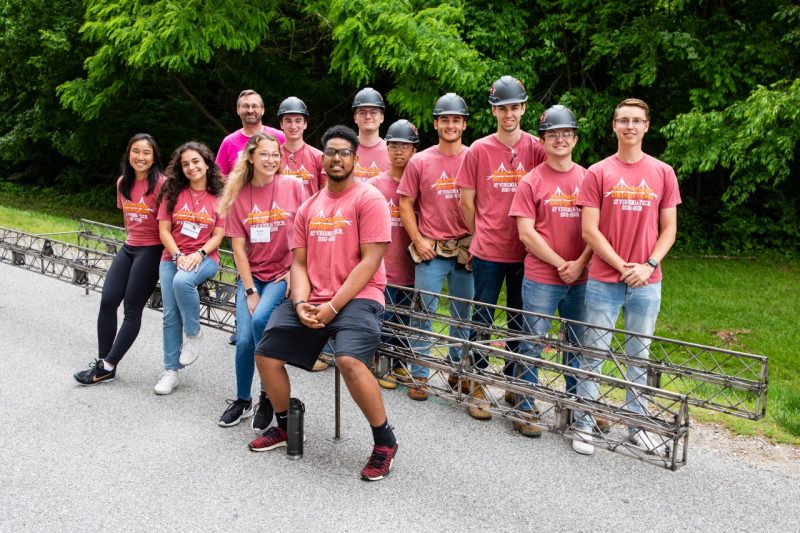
(298, 302)
(335, 312)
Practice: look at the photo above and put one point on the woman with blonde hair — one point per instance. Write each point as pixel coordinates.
(259, 205)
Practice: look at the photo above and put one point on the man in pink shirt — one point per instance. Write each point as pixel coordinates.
(401, 139)
(250, 109)
(429, 188)
(298, 159)
(549, 225)
(629, 218)
(368, 110)
(338, 278)
(488, 180)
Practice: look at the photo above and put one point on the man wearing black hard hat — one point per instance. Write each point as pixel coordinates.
(488, 180)
(299, 159)
(368, 107)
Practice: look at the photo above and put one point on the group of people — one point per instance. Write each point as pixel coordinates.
(317, 235)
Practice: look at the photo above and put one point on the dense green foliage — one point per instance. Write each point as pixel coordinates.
(77, 78)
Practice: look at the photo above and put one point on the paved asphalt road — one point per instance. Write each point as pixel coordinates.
(118, 457)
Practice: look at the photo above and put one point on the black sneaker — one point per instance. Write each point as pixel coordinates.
(237, 411)
(264, 412)
(96, 373)
(232, 340)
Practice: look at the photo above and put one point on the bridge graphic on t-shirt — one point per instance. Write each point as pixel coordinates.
(445, 182)
(505, 176)
(258, 217)
(561, 199)
(629, 192)
(320, 222)
(185, 214)
(300, 173)
(367, 172)
(136, 208)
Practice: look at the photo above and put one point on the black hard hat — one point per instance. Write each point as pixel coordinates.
(557, 117)
(292, 105)
(402, 131)
(368, 97)
(450, 104)
(507, 90)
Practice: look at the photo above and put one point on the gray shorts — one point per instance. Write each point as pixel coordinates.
(356, 332)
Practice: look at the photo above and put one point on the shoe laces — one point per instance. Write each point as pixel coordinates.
(233, 404)
(378, 457)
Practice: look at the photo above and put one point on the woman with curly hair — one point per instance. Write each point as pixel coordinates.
(191, 231)
(259, 205)
(134, 271)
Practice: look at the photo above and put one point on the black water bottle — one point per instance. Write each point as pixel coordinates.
(294, 429)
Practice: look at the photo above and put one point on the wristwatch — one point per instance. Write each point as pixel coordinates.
(251, 290)
(653, 263)
(203, 252)
(175, 256)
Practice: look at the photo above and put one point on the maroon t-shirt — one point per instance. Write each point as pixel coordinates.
(399, 266)
(140, 213)
(196, 208)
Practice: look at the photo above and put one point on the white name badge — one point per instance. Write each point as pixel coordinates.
(260, 233)
(190, 229)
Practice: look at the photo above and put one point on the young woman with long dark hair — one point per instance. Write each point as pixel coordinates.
(134, 271)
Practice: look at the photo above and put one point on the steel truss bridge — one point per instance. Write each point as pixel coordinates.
(678, 374)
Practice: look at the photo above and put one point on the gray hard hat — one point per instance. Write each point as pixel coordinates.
(368, 97)
(292, 105)
(557, 117)
(507, 90)
(402, 131)
(450, 104)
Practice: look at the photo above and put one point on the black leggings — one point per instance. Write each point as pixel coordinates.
(130, 280)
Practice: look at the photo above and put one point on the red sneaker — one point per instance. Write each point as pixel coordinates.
(272, 438)
(380, 463)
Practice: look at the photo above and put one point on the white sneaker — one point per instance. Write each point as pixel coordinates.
(190, 350)
(167, 382)
(640, 438)
(582, 443)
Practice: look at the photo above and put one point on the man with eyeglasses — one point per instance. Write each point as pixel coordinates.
(629, 218)
(488, 180)
(429, 208)
(299, 159)
(401, 141)
(250, 109)
(549, 225)
(368, 107)
(338, 278)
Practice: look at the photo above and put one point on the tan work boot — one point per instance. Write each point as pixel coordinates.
(403, 376)
(319, 366)
(478, 404)
(387, 382)
(420, 391)
(452, 380)
(603, 425)
(528, 428)
(509, 398)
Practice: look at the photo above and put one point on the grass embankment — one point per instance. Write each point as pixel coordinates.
(748, 305)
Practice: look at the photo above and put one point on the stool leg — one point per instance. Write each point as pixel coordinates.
(338, 403)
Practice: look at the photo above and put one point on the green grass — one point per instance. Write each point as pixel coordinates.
(749, 305)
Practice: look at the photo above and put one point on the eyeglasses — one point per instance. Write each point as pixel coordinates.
(399, 147)
(248, 107)
(344, 153)
(637, 122)
(362, 113)
(269, 155)
(555, 135)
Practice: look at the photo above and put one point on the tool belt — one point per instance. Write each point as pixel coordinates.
(448, 249)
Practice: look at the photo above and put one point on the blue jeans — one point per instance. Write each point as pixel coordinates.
(181, 305)
(249, 329)
(430, 276)
(400, 297)
(489, 276)
(603, 304)
(545, 299)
